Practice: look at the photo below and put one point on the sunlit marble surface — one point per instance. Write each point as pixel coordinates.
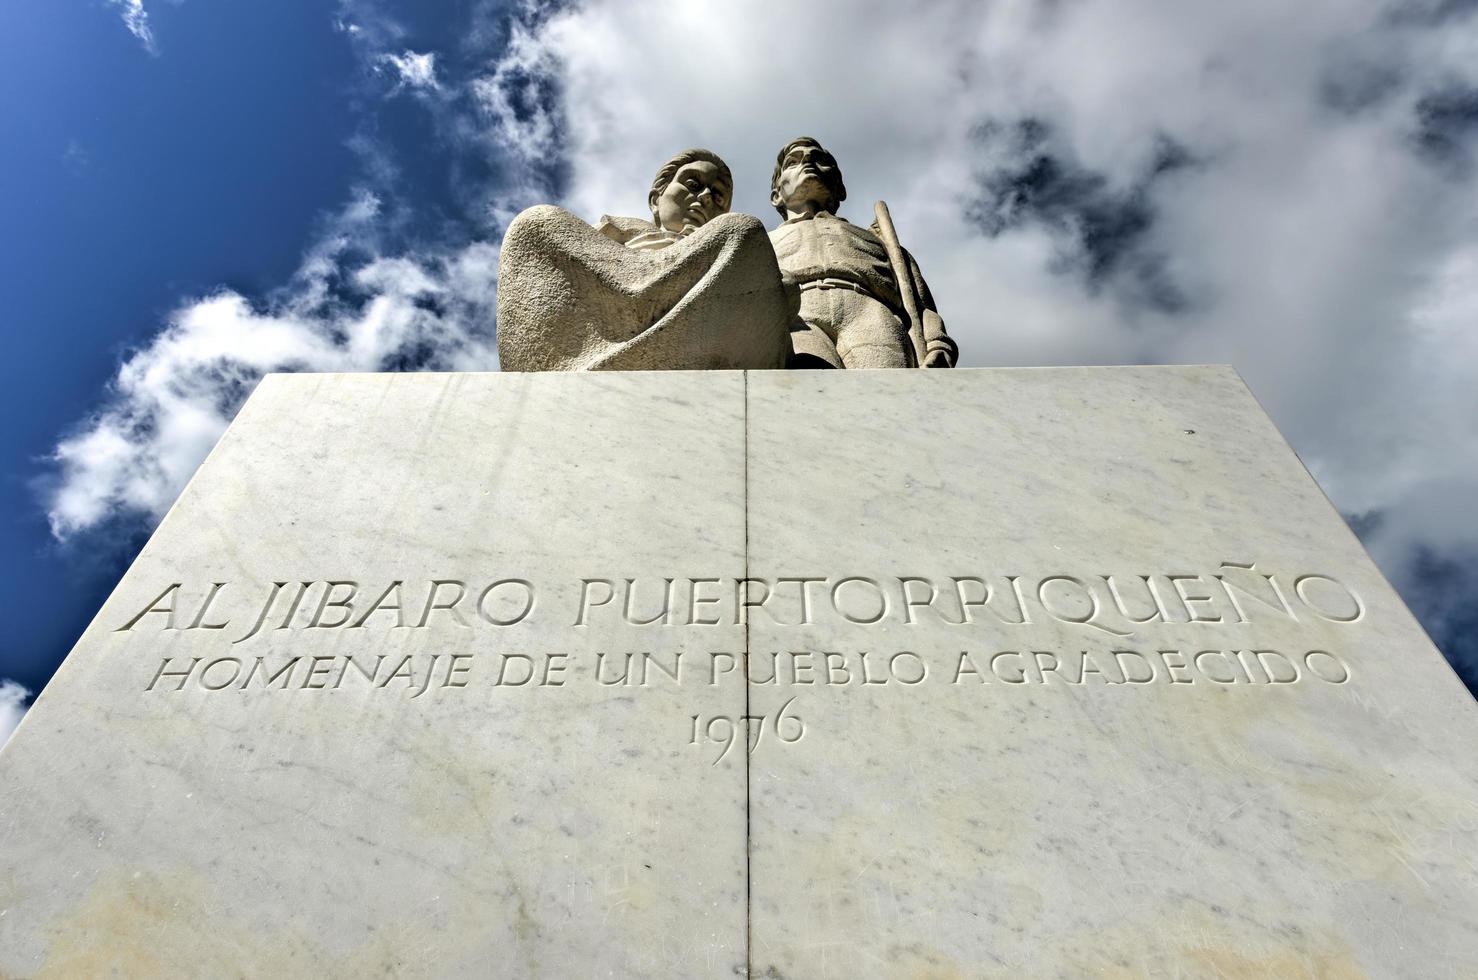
(1052, 673)
(369, 828)
(1067, 826)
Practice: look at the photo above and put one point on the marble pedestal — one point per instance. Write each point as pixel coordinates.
(1055, 672)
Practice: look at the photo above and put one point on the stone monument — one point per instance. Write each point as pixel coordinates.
(559, 674)
(864, 303)
(695, 288)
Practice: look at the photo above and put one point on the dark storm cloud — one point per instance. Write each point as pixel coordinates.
(1440, 592)
(1352, 84)
(1447, 128)
(1429, 13)
(1104, 230)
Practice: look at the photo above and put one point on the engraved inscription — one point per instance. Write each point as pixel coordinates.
(459, 637)
(1117, 604)
(721, 730)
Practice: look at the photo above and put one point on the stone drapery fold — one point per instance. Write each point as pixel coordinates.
(571, 299)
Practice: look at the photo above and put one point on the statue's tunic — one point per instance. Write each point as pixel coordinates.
(850, 302)
(632, 297)
(852, 310)
(827, 251)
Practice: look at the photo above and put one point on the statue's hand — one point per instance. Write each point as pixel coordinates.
(938, 358)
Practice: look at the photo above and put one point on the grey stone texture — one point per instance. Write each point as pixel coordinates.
(448, 675)
(572, 299)
(695, 288)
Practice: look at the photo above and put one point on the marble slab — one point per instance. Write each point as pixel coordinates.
(1050, 673)
(1089, 792)
(196, 796)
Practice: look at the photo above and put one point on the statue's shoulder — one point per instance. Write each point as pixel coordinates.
(621, 229)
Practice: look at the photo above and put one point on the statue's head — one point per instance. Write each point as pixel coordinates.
(690, 190)
(805, 174)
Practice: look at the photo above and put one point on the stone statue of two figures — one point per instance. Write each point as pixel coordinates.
(700, 288)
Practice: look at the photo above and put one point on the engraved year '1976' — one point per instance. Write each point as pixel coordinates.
(724, 730)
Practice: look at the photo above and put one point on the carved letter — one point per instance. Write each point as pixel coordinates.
(1356, 609)
(235, 673)
(662, 614)
(893, 668)
(199, 623)
(518, 617)
(1156, 614)
(317, 666)
(909, 601)
(260, 666)
(672, 675)
(380, 604)
(861, 620)
(966, 665)
(600, 659)
(262, 616)
(743, 601)
(586, 604)
(1119, 656)
(833, 666)
(1213, 678)
(554, 669)
(803, 585)
(183, 675)
(1172, 666)
(1281, 604)
(455, 668)
(1194, 613)
(346, 605)
(154, 607)
(1344, 672)
(504, 680)
(432, 604)
(1262, 659)
(713, 668)
(1018, 678)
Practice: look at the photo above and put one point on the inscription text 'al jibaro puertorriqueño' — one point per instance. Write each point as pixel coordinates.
(435, 637)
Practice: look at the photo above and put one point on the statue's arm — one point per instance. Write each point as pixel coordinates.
(940, 349)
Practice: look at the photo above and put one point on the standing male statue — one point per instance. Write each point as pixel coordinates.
(864, 302)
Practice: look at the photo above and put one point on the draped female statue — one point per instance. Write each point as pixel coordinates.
(694, 288)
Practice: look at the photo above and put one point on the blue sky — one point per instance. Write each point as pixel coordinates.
(199, 192)
(139, 179)
(134, 180)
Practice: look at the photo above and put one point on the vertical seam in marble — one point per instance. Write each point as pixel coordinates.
(748, 751)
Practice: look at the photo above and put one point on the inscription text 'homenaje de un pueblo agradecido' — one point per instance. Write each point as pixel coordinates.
(1113, 617)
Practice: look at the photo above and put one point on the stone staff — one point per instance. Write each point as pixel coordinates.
(904, 277)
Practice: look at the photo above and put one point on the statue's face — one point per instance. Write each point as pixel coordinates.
(695, 196)
(807, 176)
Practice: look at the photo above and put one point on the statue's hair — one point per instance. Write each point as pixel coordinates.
(671, 167)
(838, 189)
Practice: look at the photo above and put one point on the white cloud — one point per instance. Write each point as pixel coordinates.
(518, 122)
(517, 98)
(136, 19)
(412, 70)
(1316, 231)
(1308, 239)
(13, 698)
(173, 398)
